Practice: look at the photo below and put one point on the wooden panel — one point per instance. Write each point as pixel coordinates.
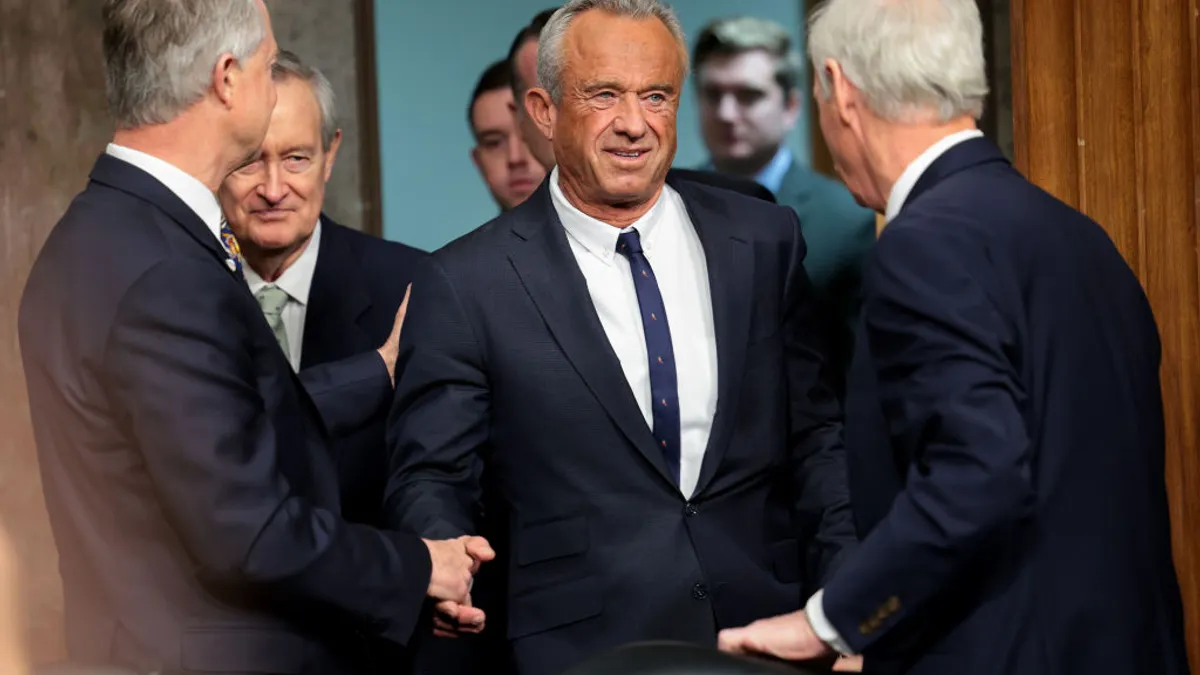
(368, 118)
(52, 125)
(325, 33)
(1107, 117)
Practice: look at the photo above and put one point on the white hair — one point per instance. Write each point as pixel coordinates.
(289, 65)
(550, 49)
(907, 57)
(160, 54)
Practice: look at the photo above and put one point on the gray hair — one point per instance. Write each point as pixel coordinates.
(907, 57)
(289, 66)
(742, 34)
(159, 54)
(550, 49)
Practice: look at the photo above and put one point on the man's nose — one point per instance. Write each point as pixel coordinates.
(631, 118)
(274, 188)
(727, 108)
(518, 153)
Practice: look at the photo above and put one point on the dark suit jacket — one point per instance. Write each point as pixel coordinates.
(357, 286)
(839, 233)
(505, 363)
(186, 471)
(749, 188)
(1005, 430)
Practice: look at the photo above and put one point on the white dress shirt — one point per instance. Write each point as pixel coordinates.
(296, 281)
(815, 609)
(913, 172)
(188, 188)
(670, 243)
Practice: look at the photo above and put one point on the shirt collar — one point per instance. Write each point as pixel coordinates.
(598, 237)
(297, 279)
(771, 175)
(912, 173)
(188, 188)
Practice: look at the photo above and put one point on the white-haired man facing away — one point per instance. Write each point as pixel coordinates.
(187, 477)
(1004, 421)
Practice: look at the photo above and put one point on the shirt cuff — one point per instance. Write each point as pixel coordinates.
(815, 611)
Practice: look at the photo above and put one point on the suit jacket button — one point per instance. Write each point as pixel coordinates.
(690, 509)
(700, 591)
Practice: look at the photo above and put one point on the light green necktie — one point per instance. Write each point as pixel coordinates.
(272, 300)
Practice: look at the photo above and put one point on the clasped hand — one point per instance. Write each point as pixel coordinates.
(455, 562)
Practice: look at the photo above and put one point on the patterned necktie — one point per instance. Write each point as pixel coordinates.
(272, 300)
(664, 387)
(230, 243)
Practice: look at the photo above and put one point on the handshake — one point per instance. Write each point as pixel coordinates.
(455, 562)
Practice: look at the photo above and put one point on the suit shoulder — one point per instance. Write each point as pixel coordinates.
(754, 218)
(372, 252)
(484, 242)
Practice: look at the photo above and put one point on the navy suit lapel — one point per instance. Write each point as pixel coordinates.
(547, 268)
(128, 178)
(964, 155)
(338, 302)
(730, 261)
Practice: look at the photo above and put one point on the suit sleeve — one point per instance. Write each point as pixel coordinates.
(182, 374)
(951, 400)
(440, 417)
(815, 428)
(349, 393)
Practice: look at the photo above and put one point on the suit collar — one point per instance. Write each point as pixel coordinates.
(546, 266)
(188, 188)
(957, 155)
(598, 237)
(338, 301)
(121, 175)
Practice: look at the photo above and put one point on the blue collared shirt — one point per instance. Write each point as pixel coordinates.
(771, 176)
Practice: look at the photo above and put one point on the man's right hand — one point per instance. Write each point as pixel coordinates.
(455, 562)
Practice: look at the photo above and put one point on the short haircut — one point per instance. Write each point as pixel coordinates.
(532, 31)
(738, 35)
(289, 66)
(497, 76)
(552, 61)
(907, 58)
(159, 56)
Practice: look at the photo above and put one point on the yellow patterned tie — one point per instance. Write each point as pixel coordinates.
(231, 247)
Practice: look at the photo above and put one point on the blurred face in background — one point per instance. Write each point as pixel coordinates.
(525, 66)
(745, 114)
(273, 203)
(504, 161)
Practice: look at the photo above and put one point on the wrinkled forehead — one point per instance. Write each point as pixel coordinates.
(601, 46)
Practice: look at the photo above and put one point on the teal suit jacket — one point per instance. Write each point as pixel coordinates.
(839, 233)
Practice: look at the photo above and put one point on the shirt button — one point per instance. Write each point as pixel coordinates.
(690, 509)
(700, 591)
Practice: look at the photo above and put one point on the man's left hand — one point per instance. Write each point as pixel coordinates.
(390, 350)
(789, 637)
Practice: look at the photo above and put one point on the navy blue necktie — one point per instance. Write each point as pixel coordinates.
(664, 388)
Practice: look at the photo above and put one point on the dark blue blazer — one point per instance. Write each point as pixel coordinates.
(187, 473)
(357, 286)
(505, 365)
(1005, 434)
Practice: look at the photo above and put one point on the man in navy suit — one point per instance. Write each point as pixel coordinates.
(329, 293)
(629, 362)
(1004, 421)
(187, 473)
